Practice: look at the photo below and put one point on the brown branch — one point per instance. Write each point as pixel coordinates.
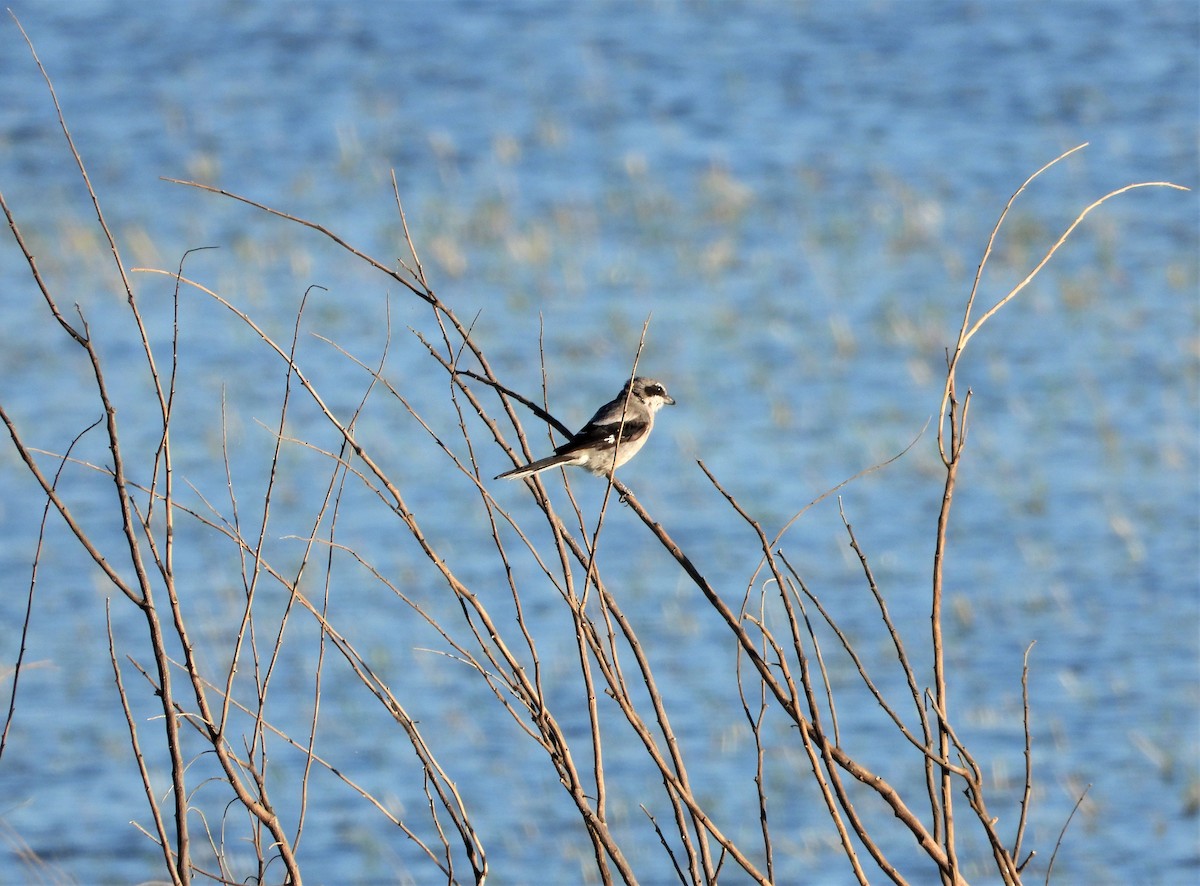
(151, 794)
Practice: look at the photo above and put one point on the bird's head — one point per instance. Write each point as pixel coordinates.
(650, 391)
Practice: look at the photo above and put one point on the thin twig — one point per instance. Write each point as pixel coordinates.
(33, 579)
(1062, 833)
(1028, 790)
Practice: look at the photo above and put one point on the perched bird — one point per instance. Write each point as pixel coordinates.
(631, 413)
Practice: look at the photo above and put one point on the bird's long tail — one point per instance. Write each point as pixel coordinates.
(536, 467)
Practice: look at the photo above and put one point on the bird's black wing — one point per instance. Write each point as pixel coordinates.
(603, 437)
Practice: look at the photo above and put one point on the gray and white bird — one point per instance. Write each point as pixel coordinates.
(631, 413)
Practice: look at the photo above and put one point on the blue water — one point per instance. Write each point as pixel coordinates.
(797, 196)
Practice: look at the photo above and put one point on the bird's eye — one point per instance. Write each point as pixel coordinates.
(655, 389)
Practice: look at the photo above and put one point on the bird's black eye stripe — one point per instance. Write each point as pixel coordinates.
(656, 389)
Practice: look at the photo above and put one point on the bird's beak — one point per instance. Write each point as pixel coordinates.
(670, 401)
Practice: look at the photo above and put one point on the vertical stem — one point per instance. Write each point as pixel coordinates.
(939, 673)
(944, 822)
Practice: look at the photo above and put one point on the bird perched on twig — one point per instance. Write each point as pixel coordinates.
(596, 448)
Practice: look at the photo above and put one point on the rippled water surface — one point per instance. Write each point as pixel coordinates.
(797, 196)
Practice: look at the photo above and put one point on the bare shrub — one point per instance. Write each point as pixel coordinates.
(224, 731)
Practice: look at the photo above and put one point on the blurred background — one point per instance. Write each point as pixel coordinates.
(796, 196)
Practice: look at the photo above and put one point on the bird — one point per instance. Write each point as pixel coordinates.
(595, 447)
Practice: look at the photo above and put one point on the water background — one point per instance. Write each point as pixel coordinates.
(797, 196)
